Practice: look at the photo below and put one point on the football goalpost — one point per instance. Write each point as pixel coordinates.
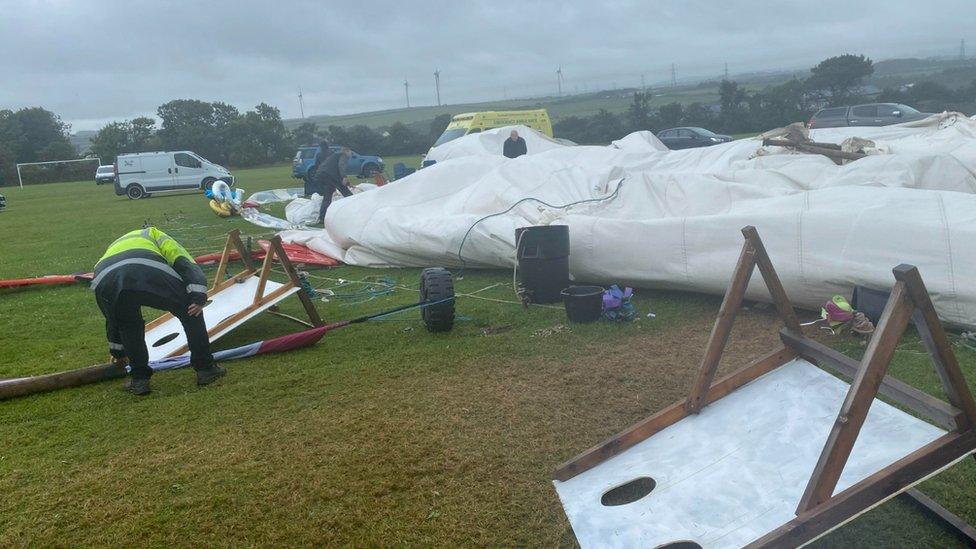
(20, 178)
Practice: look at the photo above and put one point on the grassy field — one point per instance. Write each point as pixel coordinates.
(382, 434)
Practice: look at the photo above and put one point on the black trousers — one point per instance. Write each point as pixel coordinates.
(132, 330)
(329, 187)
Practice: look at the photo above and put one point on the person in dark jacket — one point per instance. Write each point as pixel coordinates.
(329, 179)
(147, 268)
(309, 179)
(514, 146)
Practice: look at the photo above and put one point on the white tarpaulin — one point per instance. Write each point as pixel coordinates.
(674, 222)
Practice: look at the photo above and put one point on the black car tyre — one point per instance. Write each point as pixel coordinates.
(437, 287)
(207, 183)
(135, 191)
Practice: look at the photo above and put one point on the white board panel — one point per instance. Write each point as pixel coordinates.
(737, 470)
(226, 303)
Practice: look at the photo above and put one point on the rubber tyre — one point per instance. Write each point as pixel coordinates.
(370, 170)
(436, 285)
(207, 183)
(135, 191)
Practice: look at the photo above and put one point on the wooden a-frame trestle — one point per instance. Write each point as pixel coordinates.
(820, 510)
(261, 299)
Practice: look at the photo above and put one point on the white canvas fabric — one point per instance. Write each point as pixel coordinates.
(674, 221)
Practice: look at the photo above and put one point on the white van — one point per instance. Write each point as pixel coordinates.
(144, 174)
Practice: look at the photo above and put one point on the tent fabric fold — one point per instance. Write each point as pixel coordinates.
(675, 222)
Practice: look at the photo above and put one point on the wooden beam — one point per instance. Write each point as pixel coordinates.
(224, 258)
(934, 338)
(966, 532)
(940, 412)
(310, 310)
(773, 283)
(722, 327)
(10, 388)
(263, 275)
(245, 253)
(870, 492)
(670, 415)
(859, 398)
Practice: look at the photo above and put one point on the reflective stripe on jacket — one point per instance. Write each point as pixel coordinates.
(152, 261)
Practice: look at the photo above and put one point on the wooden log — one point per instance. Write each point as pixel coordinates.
(859, 398)
(816, 148)
(870, 492)
(670, 415)
(11, 388)
(941, 412)
(722, 327)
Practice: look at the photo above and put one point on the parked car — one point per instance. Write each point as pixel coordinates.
(360, 165)
(105, 174)
(871, 114)
(690, 137)
(144, 174)
(3, 202)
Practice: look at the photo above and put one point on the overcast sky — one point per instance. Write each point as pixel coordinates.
(94, 62)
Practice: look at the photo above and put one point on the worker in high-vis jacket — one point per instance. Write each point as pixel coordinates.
(147, 268)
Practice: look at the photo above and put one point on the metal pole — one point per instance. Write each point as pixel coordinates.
(20, 178)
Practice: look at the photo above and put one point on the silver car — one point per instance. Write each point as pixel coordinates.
(871, 114)
(105, 174)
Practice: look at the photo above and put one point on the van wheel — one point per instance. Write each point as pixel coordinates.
(135, 191)
(207, 183)
(370, 170)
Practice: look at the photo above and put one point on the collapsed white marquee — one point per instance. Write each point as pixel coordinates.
(671, 219)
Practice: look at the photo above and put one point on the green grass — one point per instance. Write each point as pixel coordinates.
(382, 434)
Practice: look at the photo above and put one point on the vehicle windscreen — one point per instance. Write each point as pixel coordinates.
(304, 154)
(703, 131)
(449, 135)
(105, 169)
(839, 112)
(905, 109)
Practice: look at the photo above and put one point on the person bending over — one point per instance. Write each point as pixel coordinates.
(330, 176)
(147, 268)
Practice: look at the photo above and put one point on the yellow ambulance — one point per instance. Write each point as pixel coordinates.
(474, 122)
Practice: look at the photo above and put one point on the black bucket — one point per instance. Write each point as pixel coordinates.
(583, 303)
(543, 261)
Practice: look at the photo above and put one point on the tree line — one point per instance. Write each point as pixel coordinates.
(34, 134)
(835, 81)
(224, 134)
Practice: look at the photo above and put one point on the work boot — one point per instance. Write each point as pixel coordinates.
(136, 386)
(209, 375)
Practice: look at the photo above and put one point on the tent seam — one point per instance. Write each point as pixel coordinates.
(684, 247)
(948, 245)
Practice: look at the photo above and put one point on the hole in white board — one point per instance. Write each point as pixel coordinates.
(165, 339)
(683, 544)
(628, 492)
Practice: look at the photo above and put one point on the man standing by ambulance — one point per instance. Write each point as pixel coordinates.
(147, 268)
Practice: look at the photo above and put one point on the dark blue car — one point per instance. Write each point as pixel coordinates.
(359, 165)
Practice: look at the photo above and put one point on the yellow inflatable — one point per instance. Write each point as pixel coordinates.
(223, 209)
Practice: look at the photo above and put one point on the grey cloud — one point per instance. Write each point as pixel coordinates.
(97, 61)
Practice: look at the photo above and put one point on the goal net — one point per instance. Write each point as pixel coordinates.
(57, 171)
